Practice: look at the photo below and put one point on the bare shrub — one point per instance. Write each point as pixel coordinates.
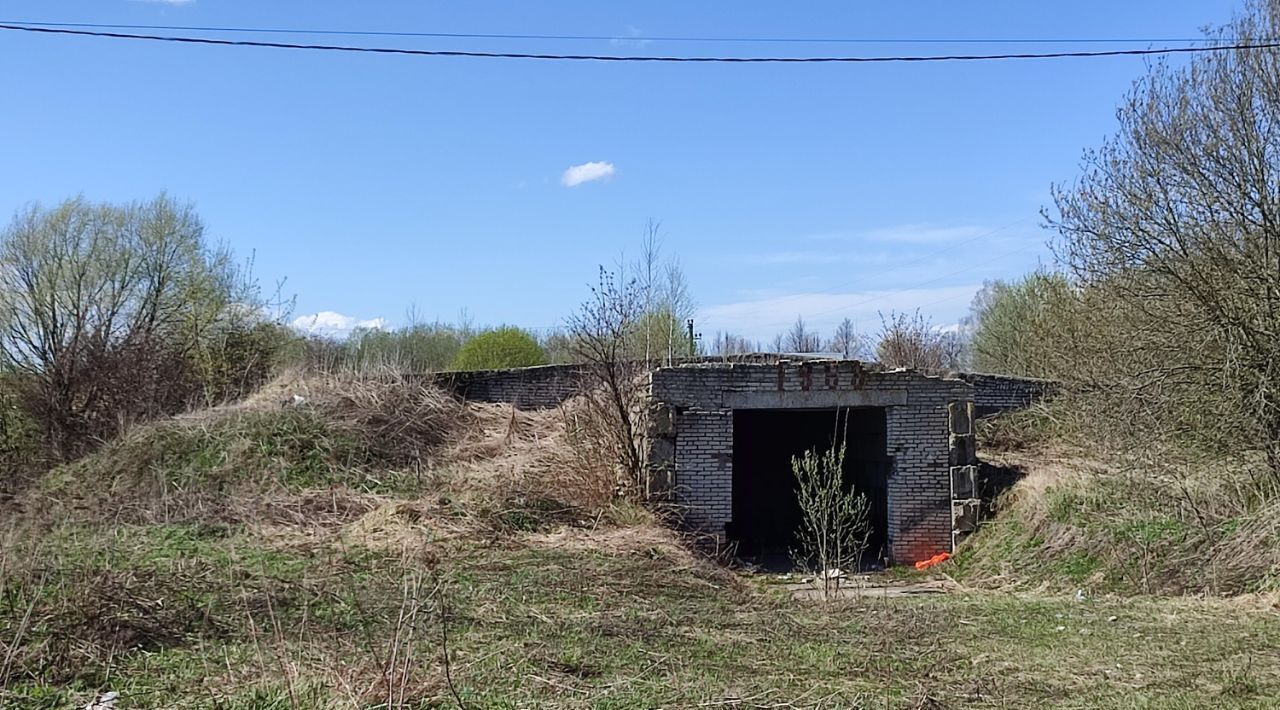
(602, 335)
(834, 518)
(105, 311)
(398, 418)
(550, 459)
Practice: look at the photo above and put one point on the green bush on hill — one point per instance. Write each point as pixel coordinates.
(500, 348)
(1159, 462)
(1027, 326)
(117, 314)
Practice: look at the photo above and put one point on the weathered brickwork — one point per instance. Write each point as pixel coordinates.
(524, 387)
(702, 398)
(929, 420)
(993, 394)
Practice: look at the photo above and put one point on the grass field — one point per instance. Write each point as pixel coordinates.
(188, 616)
(259, 560)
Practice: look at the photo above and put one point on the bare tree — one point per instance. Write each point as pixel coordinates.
(776, 345)
(667, 301)
(679, 306)
(802, 340)
(726, 343)
(649, 268)
(847, 340)
(600, 334)
(1177, 220)
(910, 340)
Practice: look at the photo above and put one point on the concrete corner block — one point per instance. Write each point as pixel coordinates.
(960, 417)
(662, 420)
(964, 514)
(964, 481)
(963, 449)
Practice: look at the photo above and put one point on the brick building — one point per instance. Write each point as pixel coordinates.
(722, 435)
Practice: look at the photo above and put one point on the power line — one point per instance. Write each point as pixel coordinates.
(642, 58)
(626, 38)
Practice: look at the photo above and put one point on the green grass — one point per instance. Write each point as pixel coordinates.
(1127, 526)
(198, 461)
(239, 620)
(360, 594)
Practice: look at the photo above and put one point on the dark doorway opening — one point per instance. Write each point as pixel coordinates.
(766, 513)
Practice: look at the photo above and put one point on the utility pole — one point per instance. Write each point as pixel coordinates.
(693, 339)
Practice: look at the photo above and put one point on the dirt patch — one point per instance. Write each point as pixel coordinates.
(869, 587)
(643, 540)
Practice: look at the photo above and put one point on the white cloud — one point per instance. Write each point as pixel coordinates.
(782, 258)
(923, 233)
(329, 324)
(577, 174)
(633, 39)
(761, 318)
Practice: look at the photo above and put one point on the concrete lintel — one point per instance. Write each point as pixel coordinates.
(815, 399)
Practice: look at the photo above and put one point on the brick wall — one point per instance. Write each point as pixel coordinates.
(690, 436)
(999, 393)
(701, 399)
(524, 387)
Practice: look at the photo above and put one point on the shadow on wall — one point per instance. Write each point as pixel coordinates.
(993, 480)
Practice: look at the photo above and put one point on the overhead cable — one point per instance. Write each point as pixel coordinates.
(182, 39)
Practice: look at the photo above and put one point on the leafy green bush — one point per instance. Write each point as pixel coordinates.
(1025, 327)
(123, 313)
(500, 348)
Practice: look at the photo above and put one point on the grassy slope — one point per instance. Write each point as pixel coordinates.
(255, 586)
(1128, 522)
(232, 618)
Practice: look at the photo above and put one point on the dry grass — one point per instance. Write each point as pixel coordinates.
(300, 532)
(398, 419)
(508, 461)
(1129, 524)
(496, 568)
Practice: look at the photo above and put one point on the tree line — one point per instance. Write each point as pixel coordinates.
(115, 314)
(1162, 313)
(904, 339)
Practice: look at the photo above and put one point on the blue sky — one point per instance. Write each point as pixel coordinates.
(374, 183)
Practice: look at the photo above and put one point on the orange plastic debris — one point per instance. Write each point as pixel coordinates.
(936, 559)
